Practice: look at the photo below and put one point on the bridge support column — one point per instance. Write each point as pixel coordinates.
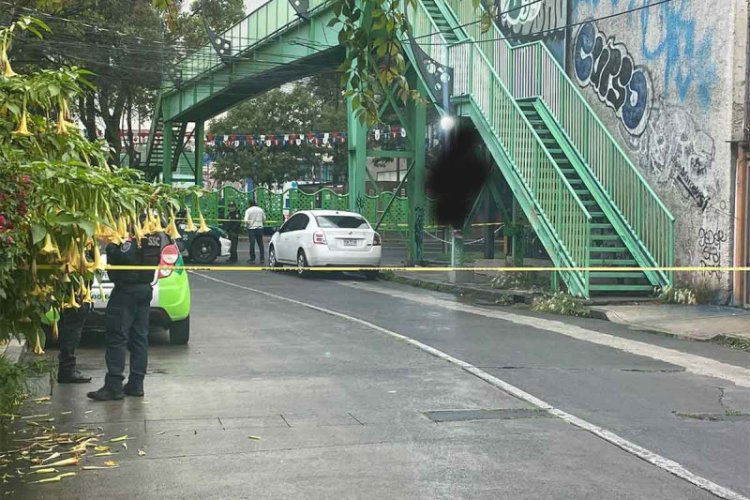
(417, 123)
(167, 147)
(357, 145)
(199, 134)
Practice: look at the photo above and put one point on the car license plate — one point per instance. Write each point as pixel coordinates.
(350, 243)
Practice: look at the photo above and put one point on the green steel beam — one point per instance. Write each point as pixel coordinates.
(357, 147)
(416, 128)
(199, 134)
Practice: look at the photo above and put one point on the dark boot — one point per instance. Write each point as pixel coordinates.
(74, 377)
(106, 394)
(134, 387)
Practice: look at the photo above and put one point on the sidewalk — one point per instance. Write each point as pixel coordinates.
(698, 322)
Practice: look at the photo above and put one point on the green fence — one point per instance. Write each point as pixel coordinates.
(278, 206)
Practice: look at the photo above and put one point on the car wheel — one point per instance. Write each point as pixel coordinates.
(272, 257)
(204, 250)
(302, 264)
(179, 332)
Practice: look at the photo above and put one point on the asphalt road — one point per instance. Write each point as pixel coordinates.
(341, 403)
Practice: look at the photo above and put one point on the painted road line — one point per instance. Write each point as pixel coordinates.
(692, 363)
(659, 461)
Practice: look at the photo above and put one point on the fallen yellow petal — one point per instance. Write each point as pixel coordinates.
(256, 438)
(43, 399)
(105, 454)
(49, 470)
(52, 457)
(118, 439)
(111, 463)
(60, 463)
(55, 479)
(99, 467)
(102, 448)
(141, 453)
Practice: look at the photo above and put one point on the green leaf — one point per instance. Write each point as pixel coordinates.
(87, 226)
(13, 108)
(37, 233)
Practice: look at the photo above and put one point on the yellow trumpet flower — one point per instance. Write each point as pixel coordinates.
(71, 303)
(137, 229)
(122, 228)
(53, 330)
(22, 126)
(87, 299)
(158, 228)
(38, 346)
(62, 126)
(171, 230)
(49, 247)
(189, 225)
(7, 70)
(147, 223)
(202, 228)
(97, 264)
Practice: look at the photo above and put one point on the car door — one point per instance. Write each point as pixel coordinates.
(294, 236)
(281, 241)
(286, 250)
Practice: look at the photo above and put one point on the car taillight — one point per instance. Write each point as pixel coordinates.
(376, 242)
(319, 238)
(169, 256)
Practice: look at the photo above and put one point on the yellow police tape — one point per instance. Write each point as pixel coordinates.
(742, 269)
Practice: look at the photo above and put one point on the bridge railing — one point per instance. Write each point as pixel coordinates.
(532, 71)
(256, 28)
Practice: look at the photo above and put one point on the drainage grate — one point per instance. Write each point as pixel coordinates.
(487, 414)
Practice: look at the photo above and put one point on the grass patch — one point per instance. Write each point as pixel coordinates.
(560, 303)
(736, 343)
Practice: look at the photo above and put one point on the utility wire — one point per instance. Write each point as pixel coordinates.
(565, 27)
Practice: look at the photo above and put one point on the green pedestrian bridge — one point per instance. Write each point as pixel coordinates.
(601, 224)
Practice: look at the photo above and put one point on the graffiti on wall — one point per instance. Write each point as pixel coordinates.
(710, 243)
(530, 20)
(670, 35)
(675, 150)
(671, 38)
(609, 69)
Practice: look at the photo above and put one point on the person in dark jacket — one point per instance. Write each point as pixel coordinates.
(70, 327)
(233, 226)
(127, 316)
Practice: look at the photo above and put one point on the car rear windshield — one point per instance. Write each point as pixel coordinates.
(341, 222)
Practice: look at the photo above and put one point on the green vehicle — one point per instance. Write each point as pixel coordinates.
(170, 304)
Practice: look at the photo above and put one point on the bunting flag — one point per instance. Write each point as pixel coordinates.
(236, 140)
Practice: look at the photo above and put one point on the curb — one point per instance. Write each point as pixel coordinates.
(496, 296)
(612, 317)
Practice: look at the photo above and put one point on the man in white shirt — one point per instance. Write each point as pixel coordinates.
(255, 219)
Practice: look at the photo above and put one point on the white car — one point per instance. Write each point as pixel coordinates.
(318, 238)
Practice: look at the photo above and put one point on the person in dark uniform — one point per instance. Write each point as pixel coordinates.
(233, 226)
(69, 328)
(127, 316)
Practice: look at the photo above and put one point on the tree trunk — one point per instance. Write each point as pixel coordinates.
(130, 144)
(87, 112)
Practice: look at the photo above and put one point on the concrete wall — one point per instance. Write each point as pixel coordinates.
(676, 62)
